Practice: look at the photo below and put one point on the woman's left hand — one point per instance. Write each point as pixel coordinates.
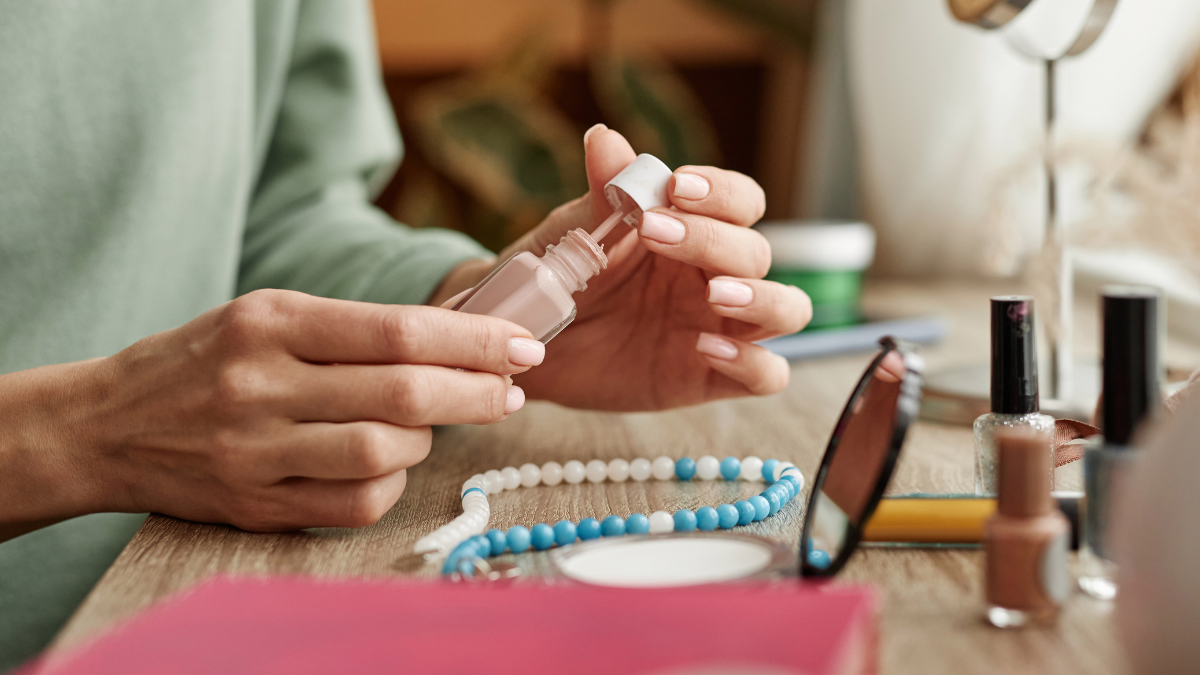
(674, 318)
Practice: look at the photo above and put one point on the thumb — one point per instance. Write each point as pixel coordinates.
(606, 153)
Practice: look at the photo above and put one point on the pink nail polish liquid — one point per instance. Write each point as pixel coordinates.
(536, 293)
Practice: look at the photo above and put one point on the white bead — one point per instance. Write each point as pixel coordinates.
(661, 521)
(495, 482)
(708, 467)
(530, 475)
(552, 473)
(574, 472)
(752, 468)
(597, 471)
(512, 477)
(793, 471)
(618, 470)
(639, 469)
(663, 468)
(780, 468)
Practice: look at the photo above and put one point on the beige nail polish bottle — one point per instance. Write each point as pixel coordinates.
(1026, 540)
(536, 293)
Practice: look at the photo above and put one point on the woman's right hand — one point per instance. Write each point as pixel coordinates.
(275, 411)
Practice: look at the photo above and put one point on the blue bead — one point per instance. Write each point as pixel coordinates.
(785, 491)
(818, 558)
(768, 471)
(497, 540)
(727, 516)
(481, 546)
(466, 566)
(781, 493)
(541, 536)
(707, 519)
(518, 539)
(564, 532)
(636, 523)
(613, 526)
(730, 468)
(685, 468)
(746, 512)
(793, 484)
(685, 520)
(762, 507)
(588, 528)
(773, 502)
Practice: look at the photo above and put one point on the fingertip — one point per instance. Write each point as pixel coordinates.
(515, 401)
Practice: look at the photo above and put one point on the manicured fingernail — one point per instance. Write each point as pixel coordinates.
(691, 186)
(716, 347)
(516, 399)
(729, 293)
(663, 229)
(588, 134)
(526, 352)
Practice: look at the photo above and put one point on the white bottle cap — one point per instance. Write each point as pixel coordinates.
(644, 181)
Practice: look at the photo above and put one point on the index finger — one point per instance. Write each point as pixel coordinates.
(321, 330)
(717, 193)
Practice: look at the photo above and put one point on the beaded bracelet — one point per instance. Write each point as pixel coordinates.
(463, 537)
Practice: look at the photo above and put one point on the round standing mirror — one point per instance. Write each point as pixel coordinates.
(1044, 29)
(860, 458)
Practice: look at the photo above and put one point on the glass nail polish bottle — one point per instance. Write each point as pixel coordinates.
(1131, 377)
(1025, 541)
(1015, 402)
(536, 292)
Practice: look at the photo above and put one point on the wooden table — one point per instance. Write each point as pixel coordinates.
(931, 599)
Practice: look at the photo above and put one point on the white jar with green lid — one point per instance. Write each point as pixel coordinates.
(825, 259)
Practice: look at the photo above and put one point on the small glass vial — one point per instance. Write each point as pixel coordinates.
(1131, 394)
(536, 293)
(1015, 402)
(1026, 541)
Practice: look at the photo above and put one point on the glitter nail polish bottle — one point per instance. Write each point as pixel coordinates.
(1015, 402)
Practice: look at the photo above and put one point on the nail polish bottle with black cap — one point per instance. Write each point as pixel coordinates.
(1015, 403)
(1131, 395)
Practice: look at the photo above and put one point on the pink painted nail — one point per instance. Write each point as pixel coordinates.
(661, 228)
(691, 186)
(526, 352)
(588, 134)
(716, 347)
(729, 293)
(516, 399)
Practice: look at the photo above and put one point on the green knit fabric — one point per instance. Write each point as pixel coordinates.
(157, 158)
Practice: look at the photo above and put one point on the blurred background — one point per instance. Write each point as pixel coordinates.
(493, 98)
(883, 111)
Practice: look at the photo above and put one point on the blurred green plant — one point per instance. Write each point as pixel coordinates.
(497, 135)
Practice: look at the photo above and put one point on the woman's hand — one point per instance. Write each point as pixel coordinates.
(275, 411)
(673, 319)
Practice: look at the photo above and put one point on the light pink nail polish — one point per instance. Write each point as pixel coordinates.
(729, 293)
(588, 134)
(534, 292)
(716, 347)
(691, 186)
(526, 352)
(663, 229)
(516, 399)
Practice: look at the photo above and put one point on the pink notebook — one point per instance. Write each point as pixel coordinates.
(296, 626)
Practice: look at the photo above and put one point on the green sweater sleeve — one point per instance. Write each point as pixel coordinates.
(331, 142)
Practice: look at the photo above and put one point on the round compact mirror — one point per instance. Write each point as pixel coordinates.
(676, 559)
(860, 458)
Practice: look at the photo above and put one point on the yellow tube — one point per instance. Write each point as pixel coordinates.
(931, 521)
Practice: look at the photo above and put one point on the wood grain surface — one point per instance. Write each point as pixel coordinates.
(930, 615)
